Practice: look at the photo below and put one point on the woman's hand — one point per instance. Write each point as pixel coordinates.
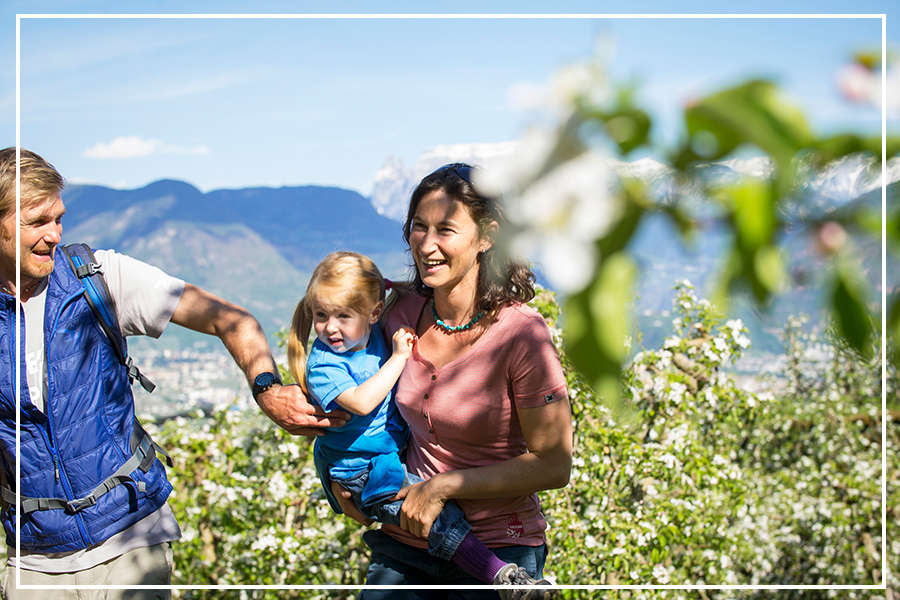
(347, 505)
(422, 503)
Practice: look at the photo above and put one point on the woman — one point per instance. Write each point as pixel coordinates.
(483, 392)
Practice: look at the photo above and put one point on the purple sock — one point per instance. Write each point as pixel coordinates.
(475, 558)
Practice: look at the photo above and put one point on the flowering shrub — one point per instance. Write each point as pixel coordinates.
(708, 483)
(697, 481)
(655, 497)
(818, 467)
(252, 511)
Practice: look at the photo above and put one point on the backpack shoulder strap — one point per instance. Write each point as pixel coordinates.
(96, 292)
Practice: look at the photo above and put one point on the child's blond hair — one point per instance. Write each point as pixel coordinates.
(342, 280)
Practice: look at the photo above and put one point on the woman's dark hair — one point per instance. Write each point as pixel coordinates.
(501, 280)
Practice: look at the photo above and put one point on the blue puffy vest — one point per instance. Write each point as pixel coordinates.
(85, 435)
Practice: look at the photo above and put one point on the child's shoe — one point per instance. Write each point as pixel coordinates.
(515, 575)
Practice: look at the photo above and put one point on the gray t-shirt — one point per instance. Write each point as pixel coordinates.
(145, 299)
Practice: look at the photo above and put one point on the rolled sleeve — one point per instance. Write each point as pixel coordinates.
(146, 297)
(536, 375)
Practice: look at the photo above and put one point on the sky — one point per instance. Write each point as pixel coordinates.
(242, 102)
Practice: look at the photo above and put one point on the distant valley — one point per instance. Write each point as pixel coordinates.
(257, 247)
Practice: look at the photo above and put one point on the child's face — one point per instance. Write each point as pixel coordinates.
(344, 329)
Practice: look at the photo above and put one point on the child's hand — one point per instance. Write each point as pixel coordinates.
(404, 339)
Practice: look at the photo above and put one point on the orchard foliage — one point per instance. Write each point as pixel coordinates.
(251, 508)
(702, 479)
(710, 483)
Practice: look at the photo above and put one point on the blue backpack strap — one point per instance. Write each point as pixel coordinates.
(96, 292)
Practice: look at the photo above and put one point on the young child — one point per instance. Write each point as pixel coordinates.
(351, 367)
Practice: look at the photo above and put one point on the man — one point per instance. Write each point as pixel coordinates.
(76, 407)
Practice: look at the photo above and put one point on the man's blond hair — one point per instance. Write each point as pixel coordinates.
(38, 179)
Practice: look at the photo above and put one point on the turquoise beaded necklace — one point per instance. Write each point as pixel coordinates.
(448, 328)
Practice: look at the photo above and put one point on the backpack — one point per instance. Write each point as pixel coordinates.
(144, 449)
(85, 266)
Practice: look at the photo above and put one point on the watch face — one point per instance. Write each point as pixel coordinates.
(263, 382)
(264, 379)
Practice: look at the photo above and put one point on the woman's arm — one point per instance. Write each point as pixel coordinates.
(546, 465)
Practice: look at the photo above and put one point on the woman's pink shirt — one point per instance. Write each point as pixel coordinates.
(464, 414)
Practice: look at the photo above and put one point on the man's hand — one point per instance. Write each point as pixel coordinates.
(245, 340)
(289, 408)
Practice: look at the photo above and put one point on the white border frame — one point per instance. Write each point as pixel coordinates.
(883, 17)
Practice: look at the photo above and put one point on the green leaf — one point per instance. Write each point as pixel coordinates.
(752, 113)
(597, 323)
(729, 273)
(893, 324)
(754, 260)
(636, 203)
(609, 301)
(768, 268)
(834, 147)
(624, 123)
(753, 216)
(892, 228)
(869, 221)
(628, 127)
(852, 319)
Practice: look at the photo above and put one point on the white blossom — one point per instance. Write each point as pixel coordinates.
(265, 542)
(278, 488)
(559, 216)
(661, 574)
(676, 392)
(669, 460)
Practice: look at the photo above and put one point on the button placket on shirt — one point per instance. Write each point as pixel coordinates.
(427, 398)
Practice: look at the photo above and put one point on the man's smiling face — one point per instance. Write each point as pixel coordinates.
(40, 229)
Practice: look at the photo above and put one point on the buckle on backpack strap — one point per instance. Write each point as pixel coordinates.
(135, 373)
(73, 506)
(86, 270)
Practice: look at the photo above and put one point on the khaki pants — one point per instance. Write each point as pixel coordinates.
(145, 566)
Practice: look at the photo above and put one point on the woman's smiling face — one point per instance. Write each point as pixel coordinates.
(445, 242)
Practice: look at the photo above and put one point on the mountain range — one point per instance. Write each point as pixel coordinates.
(258, 246)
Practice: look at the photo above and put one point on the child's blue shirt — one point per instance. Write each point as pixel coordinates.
(366, 442)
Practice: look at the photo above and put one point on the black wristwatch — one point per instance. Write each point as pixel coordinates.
(263, 382)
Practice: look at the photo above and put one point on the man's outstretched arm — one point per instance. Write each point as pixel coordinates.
(244, 338)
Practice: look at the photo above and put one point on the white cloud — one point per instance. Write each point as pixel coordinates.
(116, 185)
(132, 146)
